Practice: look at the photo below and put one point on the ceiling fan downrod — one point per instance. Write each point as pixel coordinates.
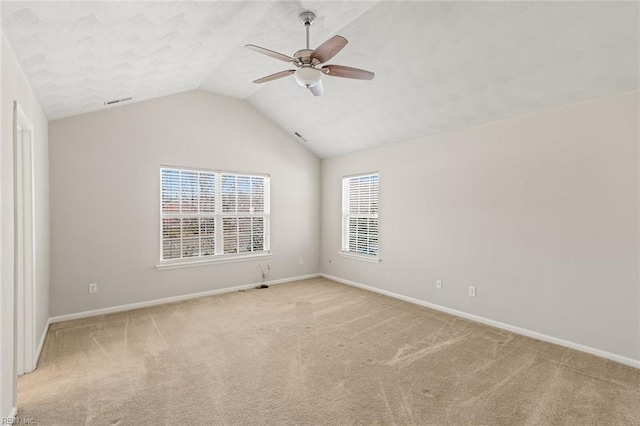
(307, 18)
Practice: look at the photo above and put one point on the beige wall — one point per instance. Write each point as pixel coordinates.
(15, 87)
(539, 212)
(105, 197)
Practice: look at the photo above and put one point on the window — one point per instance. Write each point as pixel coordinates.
(360, 215)
(207, 214)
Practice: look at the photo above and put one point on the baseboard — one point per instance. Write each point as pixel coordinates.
(41, 344)
(522, 331)
(131, 306)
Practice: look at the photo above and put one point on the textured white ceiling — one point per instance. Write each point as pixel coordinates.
(439, 65)
(446, 66)
(77, 55)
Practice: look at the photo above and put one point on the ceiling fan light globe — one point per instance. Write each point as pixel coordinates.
(307, 76)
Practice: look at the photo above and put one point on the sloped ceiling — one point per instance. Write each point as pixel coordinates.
(439, 66)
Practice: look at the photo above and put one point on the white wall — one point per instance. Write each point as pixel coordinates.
(16, 87)
(539, 212)
(6, 385)
(105, 197)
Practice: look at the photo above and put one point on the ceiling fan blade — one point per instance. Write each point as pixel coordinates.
(329, 48)
(274, 76)
(347, 72)
(271, 53)
(317, 89)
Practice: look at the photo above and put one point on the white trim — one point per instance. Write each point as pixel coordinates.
(41, 344)
(364, 258)
(199, 169)
(12, 415)
(25, 340)
(165, 300)
(212, 260)
(522, 331)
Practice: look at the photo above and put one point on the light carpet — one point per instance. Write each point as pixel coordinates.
(314, 352)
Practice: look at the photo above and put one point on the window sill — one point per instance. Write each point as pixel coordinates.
(364, 258)
(205, 262)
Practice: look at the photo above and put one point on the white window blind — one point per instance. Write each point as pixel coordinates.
(360, 214)
(207, 213)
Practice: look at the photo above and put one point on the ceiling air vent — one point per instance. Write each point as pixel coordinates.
(300, 136)
(117, 101)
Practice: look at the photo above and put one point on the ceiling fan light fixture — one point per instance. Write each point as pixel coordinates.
(307, 76)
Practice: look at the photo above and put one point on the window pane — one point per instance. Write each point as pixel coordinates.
(244, 235)
(354, 206)
(207, 233)
(208, 246)
(190, 247)
(170, 191)
(230, 234)
(207, 192)
(228, 193)
(207, 226)
(189, 189)
(258, 234)
(373, 227)
(190, 227)
(373, 236)
(170, 228)
(244, 194)
(170, 249)
(257, 194)
(374, 194)
(171, 238)
(361, 238)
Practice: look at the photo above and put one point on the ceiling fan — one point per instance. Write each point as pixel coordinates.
(309, 62)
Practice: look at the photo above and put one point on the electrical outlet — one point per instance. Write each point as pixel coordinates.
(472, 291)
(93, 288)
(301, 261)
(439, 284)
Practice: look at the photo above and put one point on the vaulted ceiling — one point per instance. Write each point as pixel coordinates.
(439, 66)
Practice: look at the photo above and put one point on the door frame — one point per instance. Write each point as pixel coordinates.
(24, 245)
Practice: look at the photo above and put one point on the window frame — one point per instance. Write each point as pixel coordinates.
(218, 215)
(346, 214)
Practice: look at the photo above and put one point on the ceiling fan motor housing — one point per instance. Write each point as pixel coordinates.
(304, 57)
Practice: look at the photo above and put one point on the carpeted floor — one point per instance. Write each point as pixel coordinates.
(314, 352)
